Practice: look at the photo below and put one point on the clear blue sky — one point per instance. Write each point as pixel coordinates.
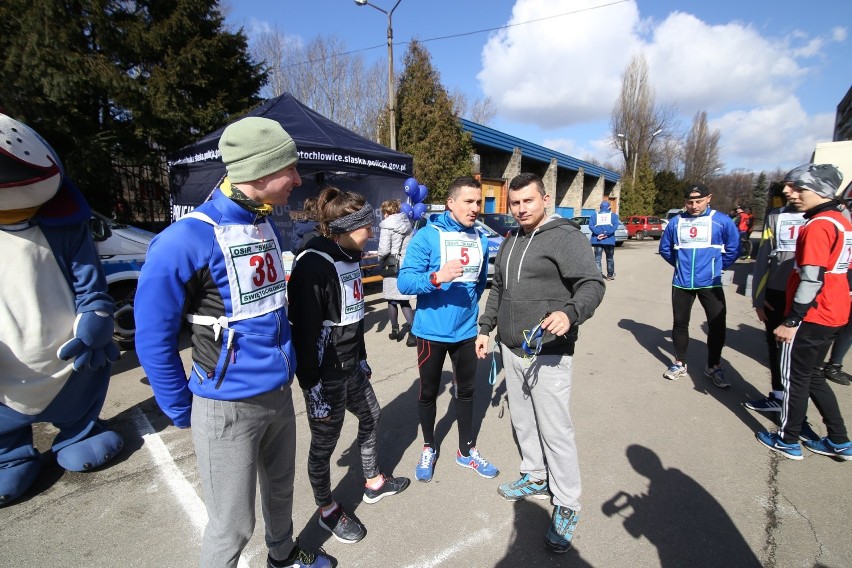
(769, 73)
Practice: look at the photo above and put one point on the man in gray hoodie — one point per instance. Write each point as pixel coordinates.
(546, 283)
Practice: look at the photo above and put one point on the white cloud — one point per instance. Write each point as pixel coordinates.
(772, 136)
(566, 70)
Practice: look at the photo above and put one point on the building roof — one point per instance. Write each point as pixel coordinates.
(491, 138)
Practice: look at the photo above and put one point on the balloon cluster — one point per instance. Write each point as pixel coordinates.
(414, 208)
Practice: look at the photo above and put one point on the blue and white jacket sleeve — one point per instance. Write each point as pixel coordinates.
(413, 277)
(667, 245)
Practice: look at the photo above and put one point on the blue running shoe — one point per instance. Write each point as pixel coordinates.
(524, 487)
(426, 466)
(476, 462)
(561, 531)
(826, 447)
(676, 371)
(774, 442)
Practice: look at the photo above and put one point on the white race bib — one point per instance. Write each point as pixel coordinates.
(465, 247)
(604, 219)
(253, 260)
(693, 233)
(787, 231)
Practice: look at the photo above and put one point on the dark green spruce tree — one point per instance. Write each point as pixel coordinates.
(427, 128)
(108, 81)
(669, 191)
(638, 198)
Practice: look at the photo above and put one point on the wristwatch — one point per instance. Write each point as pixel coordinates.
(792, 321)
(433, 278)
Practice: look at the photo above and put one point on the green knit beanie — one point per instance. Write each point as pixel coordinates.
(254, 147)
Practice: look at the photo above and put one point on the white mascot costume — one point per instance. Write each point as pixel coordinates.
(56, 322)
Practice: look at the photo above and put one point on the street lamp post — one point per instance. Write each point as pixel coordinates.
(391, 94)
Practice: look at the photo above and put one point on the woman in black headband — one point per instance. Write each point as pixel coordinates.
(326, 307)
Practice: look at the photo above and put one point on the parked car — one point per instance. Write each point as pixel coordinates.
(620, 231)
(494, 240)
(641, 226)
(502, 223)
(122, 249)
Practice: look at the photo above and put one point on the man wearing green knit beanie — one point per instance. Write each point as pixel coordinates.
(261, 161)
(221, 268)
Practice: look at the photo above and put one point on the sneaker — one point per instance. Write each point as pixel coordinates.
(717, 375)
(807, 433)
(476, 462)
(561, 531)
(391, 486)
(774, 442)
(826, 447)
(835, 374)
(768, 404)
(676, 371)
(524, 487)
(343, 527)
(299, 558)
(394, 334)
(426, 467)
(610, 277)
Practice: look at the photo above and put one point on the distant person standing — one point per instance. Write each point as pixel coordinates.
(603, 225)
(304, 225)
(394, 236)
(447, 267)
(543, 279)
(700, 243)
(817, 309)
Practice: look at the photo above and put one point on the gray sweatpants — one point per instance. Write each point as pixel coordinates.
(539, 398)
(239, 443)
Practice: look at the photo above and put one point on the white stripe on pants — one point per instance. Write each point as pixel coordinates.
(539, 400)
(239, 443)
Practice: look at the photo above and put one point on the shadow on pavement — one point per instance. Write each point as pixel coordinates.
(678, 516)
(527, 546)
(652, 339)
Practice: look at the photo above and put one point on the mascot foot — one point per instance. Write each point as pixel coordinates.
(18, 478)
(91, 452)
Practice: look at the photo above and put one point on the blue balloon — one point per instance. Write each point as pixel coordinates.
(410, 187)
(419, 210)
(407, 209)
(423, 192)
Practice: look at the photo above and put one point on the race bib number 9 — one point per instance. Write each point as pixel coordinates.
(259, 270)
(694, 234)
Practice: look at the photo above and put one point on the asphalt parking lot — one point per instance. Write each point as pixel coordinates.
(672, 473)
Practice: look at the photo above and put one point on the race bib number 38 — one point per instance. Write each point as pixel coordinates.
(259, 270)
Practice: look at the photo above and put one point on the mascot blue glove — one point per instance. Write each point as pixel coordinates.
(92, 346)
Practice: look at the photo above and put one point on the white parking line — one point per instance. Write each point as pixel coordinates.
(476, 538)
(179, 485)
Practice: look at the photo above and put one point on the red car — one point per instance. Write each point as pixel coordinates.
(641, 226)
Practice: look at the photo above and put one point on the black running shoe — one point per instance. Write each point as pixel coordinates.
(343, 527)
(391, 486)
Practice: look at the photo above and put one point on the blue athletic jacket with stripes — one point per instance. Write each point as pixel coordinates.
(701, 267)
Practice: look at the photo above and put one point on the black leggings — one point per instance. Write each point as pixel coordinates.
(430, 361)
(713, 302)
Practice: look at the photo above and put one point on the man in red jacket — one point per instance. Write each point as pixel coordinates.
(817, 309)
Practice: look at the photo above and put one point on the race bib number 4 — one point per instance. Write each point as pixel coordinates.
(259, 270)
(353, 298)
